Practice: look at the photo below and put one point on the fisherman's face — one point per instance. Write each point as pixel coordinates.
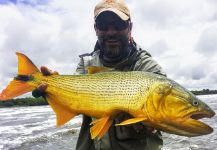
(113, 33)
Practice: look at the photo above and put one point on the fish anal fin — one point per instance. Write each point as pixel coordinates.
(105, 129)
(25, 65)
(100, 127)
(15, 88)
(131, 121)
(96, 69)
(63, 114)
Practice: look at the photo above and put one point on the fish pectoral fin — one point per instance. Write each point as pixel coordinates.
(131, 121)
(96, 69)
(100, 127)
(63, 115)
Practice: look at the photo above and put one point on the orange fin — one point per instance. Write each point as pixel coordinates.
(130, 121)
(96, 69)
(25, 65)
(20, 84)
(15, 88)
(100, 127)
(63, 115)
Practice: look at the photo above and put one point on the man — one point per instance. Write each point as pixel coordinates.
(116, 49)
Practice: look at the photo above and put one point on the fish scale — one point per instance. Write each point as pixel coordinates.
(98, 91)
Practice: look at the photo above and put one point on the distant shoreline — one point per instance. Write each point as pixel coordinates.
(27, 101)
(204, 92)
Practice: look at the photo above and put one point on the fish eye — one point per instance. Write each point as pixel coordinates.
(195, 103)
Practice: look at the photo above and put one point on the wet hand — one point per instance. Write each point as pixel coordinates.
(40, 90)
(46, 72)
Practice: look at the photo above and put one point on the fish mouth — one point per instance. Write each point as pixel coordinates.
(200, 115)
(197, 127)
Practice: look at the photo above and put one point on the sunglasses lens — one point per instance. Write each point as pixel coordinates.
(121, 25)
(118, 25)
(102, 26)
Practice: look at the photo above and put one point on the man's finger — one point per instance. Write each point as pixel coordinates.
(40, 91)
(45, 71)
(55, 73)
(42, 87)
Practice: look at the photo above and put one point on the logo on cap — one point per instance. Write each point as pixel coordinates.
(109, 1)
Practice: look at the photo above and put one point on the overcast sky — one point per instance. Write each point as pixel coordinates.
(180, 35)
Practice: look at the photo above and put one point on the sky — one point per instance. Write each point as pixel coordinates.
(180, 35)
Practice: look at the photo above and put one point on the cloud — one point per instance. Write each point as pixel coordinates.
(159, 47)
(157, 12)
(191, 71)
(25, 2)
(7, 1)
(169, 14)
(207, 42)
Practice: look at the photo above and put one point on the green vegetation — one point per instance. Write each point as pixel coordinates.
(28, 101)
(204, 92)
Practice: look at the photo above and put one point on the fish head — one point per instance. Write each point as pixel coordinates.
(174, 109)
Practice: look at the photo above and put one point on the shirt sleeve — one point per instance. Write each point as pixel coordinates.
(80, 67)
(147, 63)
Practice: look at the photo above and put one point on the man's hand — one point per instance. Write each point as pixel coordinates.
(40, 90)
(47, 72)
(132, 131)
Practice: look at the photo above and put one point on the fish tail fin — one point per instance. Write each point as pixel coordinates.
(19, 85)
(14, 89)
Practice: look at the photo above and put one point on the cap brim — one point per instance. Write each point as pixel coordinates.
(122, 15)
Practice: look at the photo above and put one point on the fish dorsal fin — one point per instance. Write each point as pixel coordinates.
(63, 115)
(131, 121)
(100, 127)
(96, 69)
(25, 65)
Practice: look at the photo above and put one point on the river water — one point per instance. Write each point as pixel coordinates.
(33, 128)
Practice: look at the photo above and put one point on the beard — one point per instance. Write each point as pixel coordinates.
(112, 53)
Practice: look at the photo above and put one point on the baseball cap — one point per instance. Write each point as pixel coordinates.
(119, 7)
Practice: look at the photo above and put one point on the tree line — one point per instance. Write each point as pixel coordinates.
(204, 92)
(30, 101)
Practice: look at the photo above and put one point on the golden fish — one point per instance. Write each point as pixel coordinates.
(152, 99)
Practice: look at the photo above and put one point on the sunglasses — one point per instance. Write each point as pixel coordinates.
(117, 25)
